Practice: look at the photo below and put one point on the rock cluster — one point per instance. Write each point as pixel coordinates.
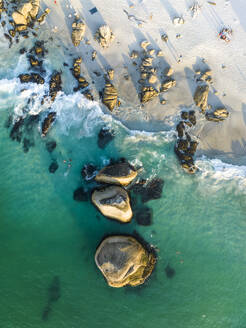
(82, 83)
(124, 261)
(201, 98)
(55, 85)
(185, 147)
(104, 36)
(78, 31)
(49, 119)
(148, 93)
(113, 201)
(33, 77)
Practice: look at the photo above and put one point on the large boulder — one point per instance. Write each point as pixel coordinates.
(124, 261)
(78, 31)
(201, 97)
(119, 173)
(113, 202)
(25, 12)
(110, 96)
(148, 93)
(104, 36)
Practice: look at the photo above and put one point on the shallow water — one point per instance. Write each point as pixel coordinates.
(199, 227)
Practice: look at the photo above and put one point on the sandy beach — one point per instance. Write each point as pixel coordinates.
(199, 45)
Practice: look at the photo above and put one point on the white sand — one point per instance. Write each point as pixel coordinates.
(199, 39)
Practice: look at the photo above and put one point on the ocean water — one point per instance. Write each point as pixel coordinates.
(199, 224)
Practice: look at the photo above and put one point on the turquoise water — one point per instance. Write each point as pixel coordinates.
(199, 227)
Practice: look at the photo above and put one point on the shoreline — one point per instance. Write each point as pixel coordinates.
(223, 139)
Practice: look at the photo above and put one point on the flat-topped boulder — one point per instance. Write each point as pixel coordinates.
(110, 96)
(219, 114)
(201, 97)
(78, 31)
(113, 202)
(119, 173)
(25, 13)
(104, 36)
(124, 261)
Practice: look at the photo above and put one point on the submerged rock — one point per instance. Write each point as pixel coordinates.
(88, 172)
(27, 144)
(118, 173)
(16, 131)
(54, 290)
(144, 216)
(50, 118)
(105, 136)
(80, 195)
(50, 145)
(53, 167)
(170, 272)
(78, 31)
(201, 97)
(124, 261)
(219, 114)
(149, 190)
(113, 202)
(104, 36)
(110, 96)
(147, 94)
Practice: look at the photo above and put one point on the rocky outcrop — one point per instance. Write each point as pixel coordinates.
(26, 13)
(50, 118)
(201, 97)
(147, 94)
(104, 36)
(185, 147)
(219, 114)
(105, 136)
(124, 261)
(119, 173)
(82, 83)
(167, 84)
(149, 190)
(88, 172)
(110, 96)
(33, 77)
(2, 8)
(113, 202)
(41, 19)
(78, 32)
(55, 85)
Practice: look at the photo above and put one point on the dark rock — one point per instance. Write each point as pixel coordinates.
(144, 216)
(80, 195)
(192, 117)
(27, 143)
(54, 290)
(55, 85)
(16, 131)
(50, 145)
(33, 77)
(170, 272)
(180, 129)
(184, 115)
(8, 122)
(53, 167)
(193, 147)
(22, 51)
(105, 136)
(89, 172)
(47, 123)
(149, 191)
(30, 122)
(65, 64)
(182, 144)
(46, 312)
(34, 62)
